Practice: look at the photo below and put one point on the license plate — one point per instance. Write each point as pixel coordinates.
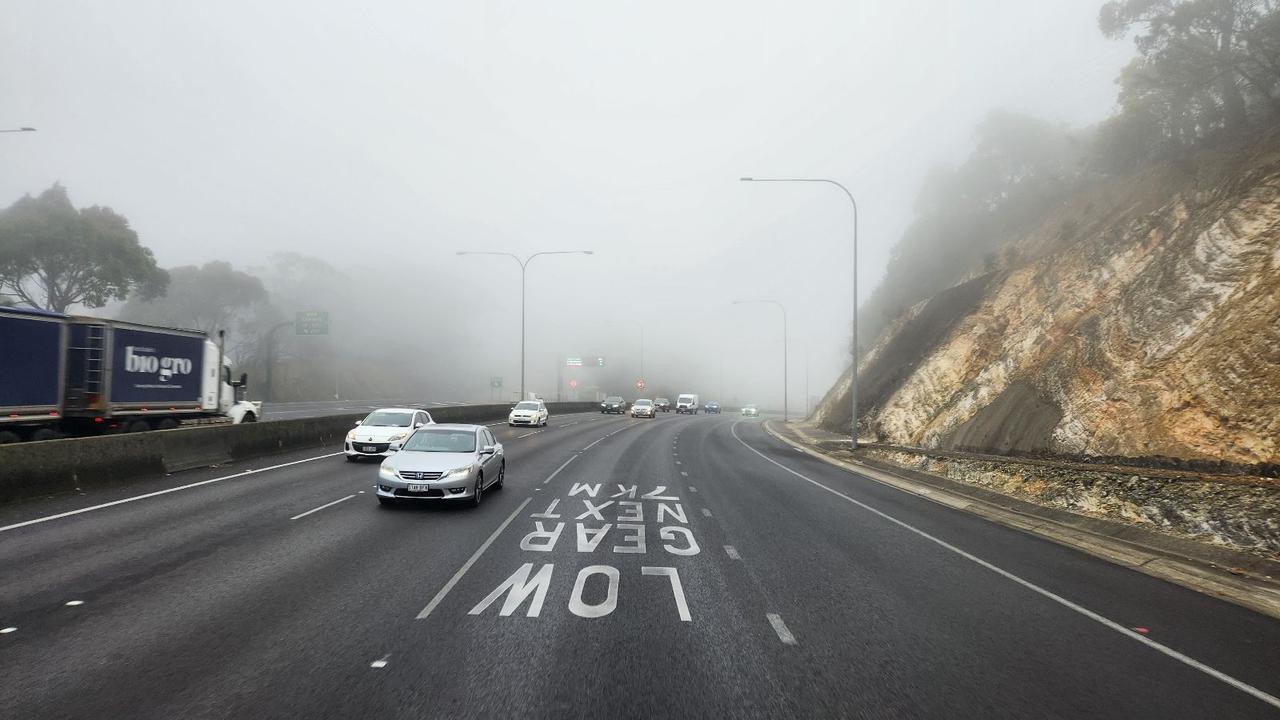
(419, 488)
(369, 448)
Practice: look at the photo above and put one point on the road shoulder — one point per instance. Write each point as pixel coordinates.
(1204, 570)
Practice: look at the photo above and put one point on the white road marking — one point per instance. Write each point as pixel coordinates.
(188, 486)
(335, 502)
(684, 474)
(380, 662)
(678, 462)
(615, 432)
(73, 603)
(570, 424)
(1105, 622)
(693, 489)
(535, 432)
(781, 628)
(732, 552)
(557, 472)
(706, 512)
(472, 560)
(6, 631)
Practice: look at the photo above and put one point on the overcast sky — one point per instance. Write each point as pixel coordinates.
(384, 136)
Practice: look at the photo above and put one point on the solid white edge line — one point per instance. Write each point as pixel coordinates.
(557, 472)
(781, 628)
(188, 486)
(470, 561)
(335, 502)
(1106, 622)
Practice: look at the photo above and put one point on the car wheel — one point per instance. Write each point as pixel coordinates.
(502, 475)
(386, 501)
(478, 495)
(167, 424)
(7, 437)
(249, 417)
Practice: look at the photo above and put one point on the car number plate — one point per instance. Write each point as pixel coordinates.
(369, 448)
(419, 488)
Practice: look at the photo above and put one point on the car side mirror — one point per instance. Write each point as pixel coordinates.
(488, 449)
(358, 423)
(418, 425)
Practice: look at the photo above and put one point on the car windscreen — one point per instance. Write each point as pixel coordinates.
(456, 441)
(613, 399)
(528, 405)
(644, 402)
(380, 418)
(686, 398)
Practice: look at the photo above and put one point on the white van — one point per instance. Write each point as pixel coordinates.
(687, 404)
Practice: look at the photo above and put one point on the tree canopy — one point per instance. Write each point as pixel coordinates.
(53, 256)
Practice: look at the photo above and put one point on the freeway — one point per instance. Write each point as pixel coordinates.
(682, 566)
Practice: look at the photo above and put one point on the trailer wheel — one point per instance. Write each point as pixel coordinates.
(167, 424)
(138, 426)
(44, 434)
(7, 437)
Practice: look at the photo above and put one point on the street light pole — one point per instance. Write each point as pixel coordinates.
(785, 413)
(853, 370)
(641, 326)
(524, 264)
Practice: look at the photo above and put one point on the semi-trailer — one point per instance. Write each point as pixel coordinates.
(66, 375)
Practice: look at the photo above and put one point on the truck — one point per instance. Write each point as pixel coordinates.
(68, 376)
(687, 403)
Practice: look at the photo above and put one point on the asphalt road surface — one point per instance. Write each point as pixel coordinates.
(675, 567)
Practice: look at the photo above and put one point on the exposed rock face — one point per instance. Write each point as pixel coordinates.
(1143, 319)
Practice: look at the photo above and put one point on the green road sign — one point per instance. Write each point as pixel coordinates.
(311, 322)
(599, 362)
(495, 382)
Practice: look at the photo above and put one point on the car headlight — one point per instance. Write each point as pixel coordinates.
(456, 471)
(351, 435)
(399, 436)
(388, 472)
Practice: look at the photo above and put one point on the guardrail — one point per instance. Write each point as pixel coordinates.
(34, 469)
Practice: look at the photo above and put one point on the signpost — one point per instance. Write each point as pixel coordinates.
(311, 322)
(495, 384)
(573, 362)
(573, 384)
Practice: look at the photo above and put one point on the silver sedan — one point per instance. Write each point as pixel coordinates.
(443, 462)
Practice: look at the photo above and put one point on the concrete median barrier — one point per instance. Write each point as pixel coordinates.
(35, 469)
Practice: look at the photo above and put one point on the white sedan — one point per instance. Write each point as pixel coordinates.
(529, 412)
(382, 431)
(643, 408)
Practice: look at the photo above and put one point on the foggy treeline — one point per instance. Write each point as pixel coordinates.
(1207, 73)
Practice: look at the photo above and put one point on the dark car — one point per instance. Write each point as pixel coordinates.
(614, 405)
(663, 404)
(712, 407)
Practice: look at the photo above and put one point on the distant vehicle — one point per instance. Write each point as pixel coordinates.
(663, 404)
(443, 462)
(712, 407)
(614, 404)
(382, 431)
(750, 411)
(643, 408)
(66, 375)
(529, 412)
(687, 403)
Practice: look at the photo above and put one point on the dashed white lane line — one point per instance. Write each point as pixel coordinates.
(557, 471)
(684, 474)
(380, 662)
(706, 512)
(74, 603)
(335, 502)
(435, 601)
(1104, 621)
(781, 628)
(693, 489)
(535, 432)
(615, 432)
(6, 631)
(732, 552)
(569, 424)
(188, 486)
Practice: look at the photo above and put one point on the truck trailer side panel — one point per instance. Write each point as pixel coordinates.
(31, 352)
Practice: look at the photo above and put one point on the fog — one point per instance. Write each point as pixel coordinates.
(383, 138)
